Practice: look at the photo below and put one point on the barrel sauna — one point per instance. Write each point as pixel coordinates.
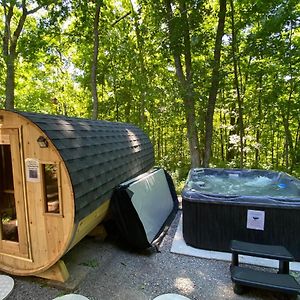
(57, 175)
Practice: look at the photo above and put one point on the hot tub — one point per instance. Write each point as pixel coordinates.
(258, 206)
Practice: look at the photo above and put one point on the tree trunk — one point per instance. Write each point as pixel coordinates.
(9, 45)
(278, 142)
(9, 51)
(289, 150)
(222, 139)
(230, 150)
(185, 80)
(286, 143)
(95, 62)
(236, 85)
(159, 140)
(192, 131)
(214, 84)
(116, 110)
(10, 82)
(258, 129)
(272, 150)
(296, 156)
(143, 72)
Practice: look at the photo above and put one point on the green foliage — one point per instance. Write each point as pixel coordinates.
(92, 263)
(137, 81)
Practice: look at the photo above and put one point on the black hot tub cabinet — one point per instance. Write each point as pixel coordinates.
(257, 206)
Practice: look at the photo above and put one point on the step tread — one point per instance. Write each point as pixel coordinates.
(261, 279)
(261, 250)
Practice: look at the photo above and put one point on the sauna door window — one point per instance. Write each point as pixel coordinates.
(9, 224)
(50, 175)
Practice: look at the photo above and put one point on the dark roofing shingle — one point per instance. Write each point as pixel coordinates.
(99, 155)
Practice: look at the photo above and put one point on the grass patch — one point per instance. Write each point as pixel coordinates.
(93, 263)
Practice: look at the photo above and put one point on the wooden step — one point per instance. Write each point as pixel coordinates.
(259, 279)
(260, 250)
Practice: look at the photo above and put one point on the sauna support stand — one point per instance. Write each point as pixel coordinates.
(58, 272)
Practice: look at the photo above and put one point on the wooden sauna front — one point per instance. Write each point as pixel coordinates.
(57, 176)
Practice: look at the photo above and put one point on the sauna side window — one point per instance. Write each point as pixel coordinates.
(50, 175)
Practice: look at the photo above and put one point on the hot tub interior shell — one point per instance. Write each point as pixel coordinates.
(211, 221)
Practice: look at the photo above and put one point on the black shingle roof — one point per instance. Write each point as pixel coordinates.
(99, 155)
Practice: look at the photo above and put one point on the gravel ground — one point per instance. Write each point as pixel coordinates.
(117, 273)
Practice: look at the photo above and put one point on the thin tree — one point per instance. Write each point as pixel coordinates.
(185, 79)
(236, 83)
(214, 84)
(143, 72)
(95, 60)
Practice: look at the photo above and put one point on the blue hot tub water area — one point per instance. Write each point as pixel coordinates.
(250, 183)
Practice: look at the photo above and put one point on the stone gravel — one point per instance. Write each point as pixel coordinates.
(114, 272)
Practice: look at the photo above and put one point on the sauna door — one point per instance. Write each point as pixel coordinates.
(13, 233)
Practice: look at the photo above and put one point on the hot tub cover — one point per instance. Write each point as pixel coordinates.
(144, 207)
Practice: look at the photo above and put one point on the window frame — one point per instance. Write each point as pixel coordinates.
(43, 188)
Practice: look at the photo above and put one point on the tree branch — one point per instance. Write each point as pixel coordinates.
(32, 11)
(7, 34)
(121, 18)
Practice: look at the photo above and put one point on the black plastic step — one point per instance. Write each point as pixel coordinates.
(259, 279)
(260, 250)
